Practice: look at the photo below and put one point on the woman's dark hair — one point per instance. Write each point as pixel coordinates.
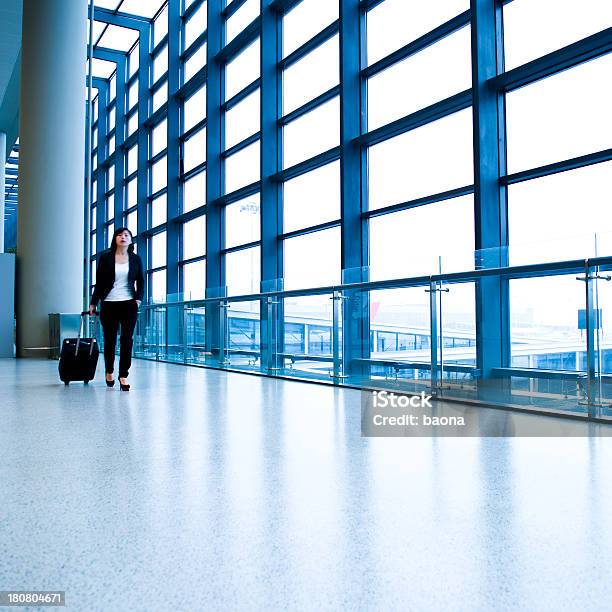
(120, 230)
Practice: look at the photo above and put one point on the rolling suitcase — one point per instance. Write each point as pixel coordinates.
(79, 356)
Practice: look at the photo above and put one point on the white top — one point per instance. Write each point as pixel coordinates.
(120, 291)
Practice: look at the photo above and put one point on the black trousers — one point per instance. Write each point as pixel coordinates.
(112, 315)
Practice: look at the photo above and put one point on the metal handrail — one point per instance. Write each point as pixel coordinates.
(589, 382)
(527, 270)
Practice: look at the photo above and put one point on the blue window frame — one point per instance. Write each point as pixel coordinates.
(273, 126)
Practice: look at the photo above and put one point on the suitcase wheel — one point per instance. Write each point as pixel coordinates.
(85, 382)
(66, 382)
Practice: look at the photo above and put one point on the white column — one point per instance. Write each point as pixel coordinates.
(2, 186)
(51, 166)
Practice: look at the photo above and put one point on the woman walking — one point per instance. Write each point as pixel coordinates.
(120, 288)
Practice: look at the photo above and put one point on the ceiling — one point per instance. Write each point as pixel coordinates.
(10, 55)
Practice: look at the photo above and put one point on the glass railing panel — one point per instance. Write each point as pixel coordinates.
(307, 336)
(601, 297)
(546, 332)
(548, 338)
(270, 335)
(457, 372)
(214, 353)
(175, 332)
(139, 333)
(243, 335)
(399, 340)
(194, 325)
(148, 334)
(156, 336)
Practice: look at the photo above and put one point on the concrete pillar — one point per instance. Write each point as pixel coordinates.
(51, 166)
(2, 186)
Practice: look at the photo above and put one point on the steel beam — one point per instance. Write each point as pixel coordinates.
(490, 209)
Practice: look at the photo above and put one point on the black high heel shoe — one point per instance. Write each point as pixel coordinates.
(110, 383)
(123, 387)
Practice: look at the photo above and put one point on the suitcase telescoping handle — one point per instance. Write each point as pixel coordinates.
(83, 315)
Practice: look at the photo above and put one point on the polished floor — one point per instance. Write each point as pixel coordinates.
(207, 490)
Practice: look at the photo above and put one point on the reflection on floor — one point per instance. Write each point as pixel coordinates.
(206, 490)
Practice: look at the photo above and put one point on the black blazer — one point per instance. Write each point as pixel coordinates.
(105, 276)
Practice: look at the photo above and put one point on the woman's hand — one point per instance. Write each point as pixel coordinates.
(138, 303)
(92, 310)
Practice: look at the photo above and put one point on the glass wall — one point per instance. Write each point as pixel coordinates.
(259, 144)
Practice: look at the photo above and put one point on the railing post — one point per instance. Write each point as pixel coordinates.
(165, 328)
(436, 340)
(158, 332)
(183, 323)
(337, 300)
(190, 331)
(433, 330)
(590, 341)
(592, 323)
(271, 353)
(223, 329)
